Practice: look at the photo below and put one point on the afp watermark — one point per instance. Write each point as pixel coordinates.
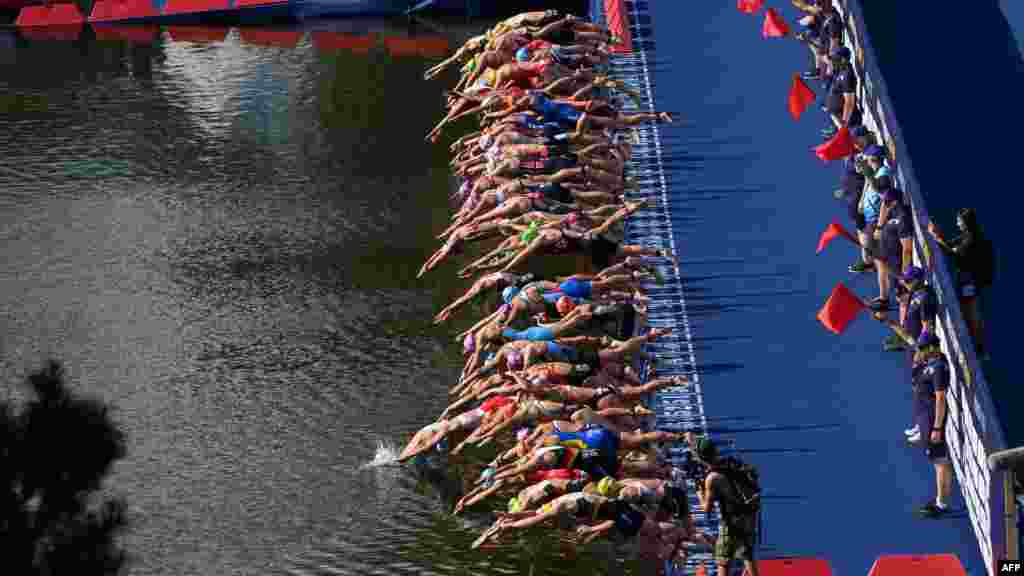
(1011, 567)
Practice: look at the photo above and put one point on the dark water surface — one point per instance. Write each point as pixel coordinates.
(221, 240)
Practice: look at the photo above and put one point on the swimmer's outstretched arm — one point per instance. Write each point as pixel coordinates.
(617, 217)
(588, 533)
(534, 246)
(493, 317)
(588, 341)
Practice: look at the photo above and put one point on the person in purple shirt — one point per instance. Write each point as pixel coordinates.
(918, 308)
(841, 101)
(896, 240)
(921, 304)
(930, 376)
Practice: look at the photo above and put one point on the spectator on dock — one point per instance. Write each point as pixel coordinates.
(918, 308)
(895, 233)
(871, 166)
(931, 380)
(841, 101)
(851, 183)
(737, 528)
(975, 264)
(823, 32)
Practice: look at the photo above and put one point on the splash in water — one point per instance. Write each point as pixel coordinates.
(386, 455)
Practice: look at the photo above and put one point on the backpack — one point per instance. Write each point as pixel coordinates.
(745, 481)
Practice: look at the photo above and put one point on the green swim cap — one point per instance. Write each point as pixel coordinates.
(514, 505)
(531, 233)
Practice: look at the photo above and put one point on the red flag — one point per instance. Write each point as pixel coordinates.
(840, 309)
(774, 26)
(835, 229)
(749, 6)
(800, 97)
(840, 146)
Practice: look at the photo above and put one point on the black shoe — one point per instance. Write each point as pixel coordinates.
(811, 75)
(932, 510)
(879, 305)
(828, 132)
(861, 268)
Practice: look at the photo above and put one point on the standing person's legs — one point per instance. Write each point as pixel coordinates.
(866, 236)
(972, 317)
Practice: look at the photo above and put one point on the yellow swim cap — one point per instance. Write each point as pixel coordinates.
(607, 486)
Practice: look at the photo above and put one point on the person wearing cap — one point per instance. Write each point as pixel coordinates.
(737, 529)
(918, 308)
(841, 101)
(930, 376)
(896, 240)
(871, 167)
(851, 182)
(820, 34)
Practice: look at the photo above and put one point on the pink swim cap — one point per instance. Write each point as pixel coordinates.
(522, 434)
(515, 361)
(468, 344)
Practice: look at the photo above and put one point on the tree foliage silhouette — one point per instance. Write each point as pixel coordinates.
(56, 449)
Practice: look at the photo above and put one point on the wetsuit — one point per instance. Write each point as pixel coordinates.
(558, 353)
(549, 165)
(531, 122)
(552, 111)
(598, 449)
(558, 474)
(628, 520)
(577, 288)
(535, 334)
(584, 504)
(552, 192)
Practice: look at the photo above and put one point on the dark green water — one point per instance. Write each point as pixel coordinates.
(221, 240)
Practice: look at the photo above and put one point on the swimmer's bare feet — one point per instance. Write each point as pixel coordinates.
(656, 333)
(639, 410)
(665, 117)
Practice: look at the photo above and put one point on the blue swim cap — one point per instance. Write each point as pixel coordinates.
(523, 55)
(509, 293)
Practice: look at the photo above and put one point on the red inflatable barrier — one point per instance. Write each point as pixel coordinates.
(114, 10)
(198, 34)
(404, 46)
(928, 565)
(65, 33)
(334, 41)
(793, 567)
(52, 15)
(13, 5)
(241, 3)
(135, 34)
(618, 24)
(264, 37)
(191, 6)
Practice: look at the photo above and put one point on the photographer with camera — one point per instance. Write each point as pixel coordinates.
(737, 511)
